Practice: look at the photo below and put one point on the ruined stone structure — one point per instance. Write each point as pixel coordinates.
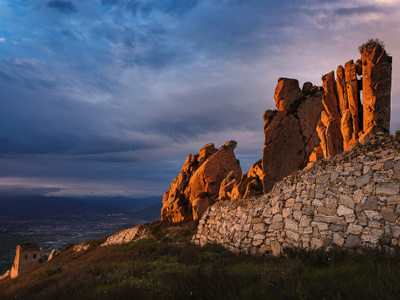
(27, 256)
(336, 116)
(351, 200)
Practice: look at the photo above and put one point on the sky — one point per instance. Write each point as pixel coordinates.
(108, 97)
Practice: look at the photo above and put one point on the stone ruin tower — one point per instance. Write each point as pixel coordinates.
(316, 122)
(27, 256)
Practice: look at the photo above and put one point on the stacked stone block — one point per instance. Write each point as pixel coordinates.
(352, 200)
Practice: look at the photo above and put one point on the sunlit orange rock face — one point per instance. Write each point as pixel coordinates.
(336, 115)
(310, 123)
(290, 135)
(198, 185)
(377, 78)
(246, 187)
(345, 121)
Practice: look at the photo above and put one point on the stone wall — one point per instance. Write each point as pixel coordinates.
(351, 200)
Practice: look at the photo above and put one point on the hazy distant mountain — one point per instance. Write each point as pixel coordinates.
(40, 206)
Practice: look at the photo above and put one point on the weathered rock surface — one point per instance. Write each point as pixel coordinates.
(352, 200)
(5, 275)
(287, 92)
(329, 129)
(290, 135)
(226, 190)
(345, 121)
(377, 78)
(127, 235)
(199, 183)
(54, 253)
(250, 185)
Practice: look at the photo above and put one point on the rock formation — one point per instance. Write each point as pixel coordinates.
(54, 253)
(127, 235)
(246, 187)
(198, 185)
(311, 124)
(376, 74)
(290, 136)
(346, 121)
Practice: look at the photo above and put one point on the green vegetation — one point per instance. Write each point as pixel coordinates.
(156, 268)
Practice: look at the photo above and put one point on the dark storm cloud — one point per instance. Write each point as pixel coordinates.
(62, 6)
(123, 90)
(21, 190)
(359, 10)
(172, 7)
(20, 72)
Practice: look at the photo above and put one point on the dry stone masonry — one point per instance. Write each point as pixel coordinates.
(351, 200)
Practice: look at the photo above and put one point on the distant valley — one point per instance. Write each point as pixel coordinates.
(54, 222)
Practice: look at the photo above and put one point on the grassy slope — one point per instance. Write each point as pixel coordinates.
(169, 267)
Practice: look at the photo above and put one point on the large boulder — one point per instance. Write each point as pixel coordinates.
(287, 92)
(198, 184)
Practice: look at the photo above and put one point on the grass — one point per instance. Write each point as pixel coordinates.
(156, 268)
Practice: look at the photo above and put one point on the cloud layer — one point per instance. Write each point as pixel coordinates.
(110, 96)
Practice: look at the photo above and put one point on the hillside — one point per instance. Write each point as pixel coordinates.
(167, 266)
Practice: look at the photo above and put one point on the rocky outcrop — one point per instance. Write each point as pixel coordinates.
(5, 275)
(287, 92)
(290, 135)
(311, 124)
(376, 74)
(199, 183)
(54, 253)
(329, 129)
(345, 120)
(127, 235)
(350, 201)
(248, 186)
